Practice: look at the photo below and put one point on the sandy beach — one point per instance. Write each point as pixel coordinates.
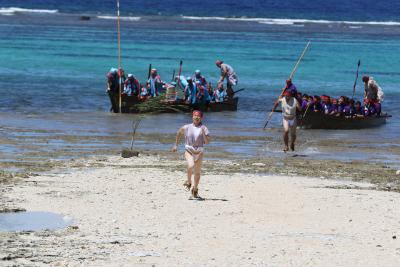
(334, 201)
(135, 212)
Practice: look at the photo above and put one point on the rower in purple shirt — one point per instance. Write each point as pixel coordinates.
(378, 108)
(348, 109)
(291, 87)
(358, 109)
(326, 103)
(317, 104)
(304, 102)
(341, 105)
(333, 109)
(369, 108)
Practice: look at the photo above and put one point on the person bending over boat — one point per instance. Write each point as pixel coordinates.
(112, 80)
(229, 74)
(290, 105)
(154, 84)
(113, 88)
(372, 90)
(196, 135)
(131, 86)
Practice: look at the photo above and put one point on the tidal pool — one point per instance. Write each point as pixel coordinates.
(33, 221)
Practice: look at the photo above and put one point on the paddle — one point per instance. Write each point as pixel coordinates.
(234, 92)
(305, 113)
(355, 82)
(237, 91)
(290, 77)
(173, 76)
(119, 59)
(179, 73)
(148, 74)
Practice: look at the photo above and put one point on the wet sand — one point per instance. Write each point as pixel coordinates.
(135, 212)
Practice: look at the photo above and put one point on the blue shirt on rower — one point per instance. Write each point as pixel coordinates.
(190, 93)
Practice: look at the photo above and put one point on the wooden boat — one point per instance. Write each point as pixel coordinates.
(131, 104)
(322, 121)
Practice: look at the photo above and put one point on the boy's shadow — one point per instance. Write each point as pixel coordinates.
(208, 199)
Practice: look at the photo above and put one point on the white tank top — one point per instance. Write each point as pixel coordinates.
(289, 108)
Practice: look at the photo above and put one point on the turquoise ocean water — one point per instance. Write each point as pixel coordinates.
(53, 66)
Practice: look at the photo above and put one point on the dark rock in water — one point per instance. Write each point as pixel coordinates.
(12, 210)
(84, 18)
(394, 237)
(127, 153)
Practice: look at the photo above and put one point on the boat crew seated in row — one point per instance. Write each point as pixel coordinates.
(204, 94)
(198, 90)
(341, 107)
(344, 106)
(220, 94)
(131, 86)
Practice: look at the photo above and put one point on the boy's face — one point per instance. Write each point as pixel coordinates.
(196, 118)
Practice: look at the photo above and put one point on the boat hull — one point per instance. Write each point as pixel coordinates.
(130, 104)
(322, 121)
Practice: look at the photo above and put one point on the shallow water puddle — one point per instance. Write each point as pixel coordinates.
(32, 221)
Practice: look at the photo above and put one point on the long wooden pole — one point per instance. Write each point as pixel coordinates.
(290, 77)
(355, 81)
(119, 59)
(179, 73)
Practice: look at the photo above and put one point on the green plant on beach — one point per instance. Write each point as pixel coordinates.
(127, 153)
(135, 125)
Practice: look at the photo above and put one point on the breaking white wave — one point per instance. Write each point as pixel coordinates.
(12, 10)
(121, 18)
(295, 21)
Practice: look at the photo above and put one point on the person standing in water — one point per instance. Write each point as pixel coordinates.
(289, 107)
(196, 135)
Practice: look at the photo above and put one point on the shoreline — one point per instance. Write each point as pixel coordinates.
(227, 24)
(134, 211)
(381, 174)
